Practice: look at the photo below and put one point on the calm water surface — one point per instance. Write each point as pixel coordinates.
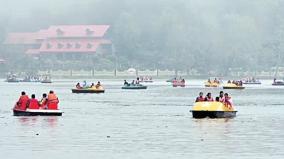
(152, 123)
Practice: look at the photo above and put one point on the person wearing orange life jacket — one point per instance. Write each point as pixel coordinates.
(22, 102)
(200, 98)
(52, 100)
(33, 103)
(43, 101)
(209, 98)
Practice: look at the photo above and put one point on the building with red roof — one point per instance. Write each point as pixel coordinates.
(62, 39)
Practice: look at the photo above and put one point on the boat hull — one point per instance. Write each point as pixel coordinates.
(277, 84)
(226, 87)
(251, 82)
(87, 91)
(134, 87)
(213, 114)
(39, 112)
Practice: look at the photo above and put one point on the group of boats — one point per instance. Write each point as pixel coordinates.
(211, 109)
(42, 79)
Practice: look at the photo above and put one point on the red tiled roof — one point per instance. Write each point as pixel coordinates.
(70, 45)
(77, 31)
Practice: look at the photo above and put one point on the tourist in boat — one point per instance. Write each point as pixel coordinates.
(200, 98)
(137, 80)
(182, 81)
(221, 97)
(78, 86)
(98, 85)
(228, 100)
(209, 81)
(126, 83)
(133, 82)
(84, 84)
(52, 100)
(229, 81)
(43, 101)
(209, 98)
(33, 103)
(23, 100)
(92, 85)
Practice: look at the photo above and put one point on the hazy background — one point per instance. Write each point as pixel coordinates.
(206, 35)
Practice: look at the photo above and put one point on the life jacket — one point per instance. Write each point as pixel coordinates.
(52, 101)
(228, 102)
(209, 99)
(33, 104)
(199, 99)
(22, 102)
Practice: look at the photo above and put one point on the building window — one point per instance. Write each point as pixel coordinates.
(77, 46)
(60, 46)
(48, 45)
(69, 45)
(89, 32)
(59, 32)
(89, 46)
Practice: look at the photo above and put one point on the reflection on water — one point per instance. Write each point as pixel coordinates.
(153, 123)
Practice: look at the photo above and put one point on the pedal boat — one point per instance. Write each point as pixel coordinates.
(136, 86)
(232, 86)
(212, 110)
(89, 90)
(211, 84)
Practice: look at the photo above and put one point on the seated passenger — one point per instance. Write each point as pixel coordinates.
(33, 103)
(22, 102)
(78, 86)
(221, 97)
(52, 100)
(200, 98)
(228, 100)
(133, 82)
(98, 84)
(209, 98)
(43, 101)
(209, 81)
(229, 81)
(126, 83)
(217, 99)
(92, 85)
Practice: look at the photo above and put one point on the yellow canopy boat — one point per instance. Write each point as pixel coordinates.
(212, 110)
(232, 86)
(212, 84)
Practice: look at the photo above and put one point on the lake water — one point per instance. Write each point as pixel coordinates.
(152, 123)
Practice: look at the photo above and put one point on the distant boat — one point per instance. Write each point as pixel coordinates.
(232, 86)
(89, 90)
(278, 82)
(178, 83)
(251, 81)
(134, 86)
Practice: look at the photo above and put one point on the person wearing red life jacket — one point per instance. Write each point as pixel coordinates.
(22, 102)
(52, 101)
(200, 98)
(209, 98)
(43, 101)
(33, 103)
